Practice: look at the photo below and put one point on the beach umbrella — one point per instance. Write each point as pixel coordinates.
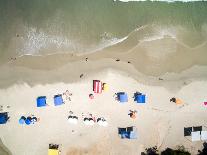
(86, 121)
(72, 120)
(102, 123)
(22, 120)
(34, 119)
(28, 121)
(91, 121)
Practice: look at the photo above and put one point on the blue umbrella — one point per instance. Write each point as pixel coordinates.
(28, 121)
(22, 120)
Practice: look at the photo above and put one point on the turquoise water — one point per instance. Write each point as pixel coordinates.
(43, 27)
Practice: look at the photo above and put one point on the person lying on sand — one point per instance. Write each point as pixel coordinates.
(67, 95)
(176, 100)
(132, 114)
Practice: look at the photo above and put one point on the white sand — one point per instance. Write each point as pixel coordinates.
(159, 122)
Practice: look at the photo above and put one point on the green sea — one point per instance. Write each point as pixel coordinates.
(41, 27)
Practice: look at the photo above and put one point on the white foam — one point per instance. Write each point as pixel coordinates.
(35, 40)
(108, 40)
(162, 0)
(160, 33)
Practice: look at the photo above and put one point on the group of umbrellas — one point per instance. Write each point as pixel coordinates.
(88, 121)
(27, 120)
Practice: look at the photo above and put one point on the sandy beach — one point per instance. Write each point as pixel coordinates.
(159, 122)
(47, 47)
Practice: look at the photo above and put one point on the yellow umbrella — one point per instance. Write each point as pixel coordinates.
(53, 152)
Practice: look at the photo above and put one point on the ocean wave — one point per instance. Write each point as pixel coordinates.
(170, 1)
(160, 33)
(34, 41)
(37, 42)
(107, 40)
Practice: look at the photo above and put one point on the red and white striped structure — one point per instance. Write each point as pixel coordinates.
(97, 86)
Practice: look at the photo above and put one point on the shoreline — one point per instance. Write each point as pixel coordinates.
(35, 70)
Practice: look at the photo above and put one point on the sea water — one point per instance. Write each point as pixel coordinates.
(38, 27)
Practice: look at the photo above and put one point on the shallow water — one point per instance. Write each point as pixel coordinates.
(44, 27)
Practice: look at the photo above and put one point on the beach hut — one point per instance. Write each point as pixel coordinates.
(58, 100)
(4, 117)
(139, 97)
(53, 149)
(122, 97)
(97, 86)
(128, 132)
(41, 101)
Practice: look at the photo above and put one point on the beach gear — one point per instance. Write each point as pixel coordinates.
(178, 101)
(53, 149)
(105, 87)
(128, 132)
(102, 122)
(187, 131)
(34, 119)
(139, 97)
(97, 86)
(196, 133)
(122, 97)
(4, 117)
(203, 135)
(58, 100)
(28, 121)
(72, 119)
(88, 121)
(199, 135)
(41, 101)
(22, 120)
(53, 152)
